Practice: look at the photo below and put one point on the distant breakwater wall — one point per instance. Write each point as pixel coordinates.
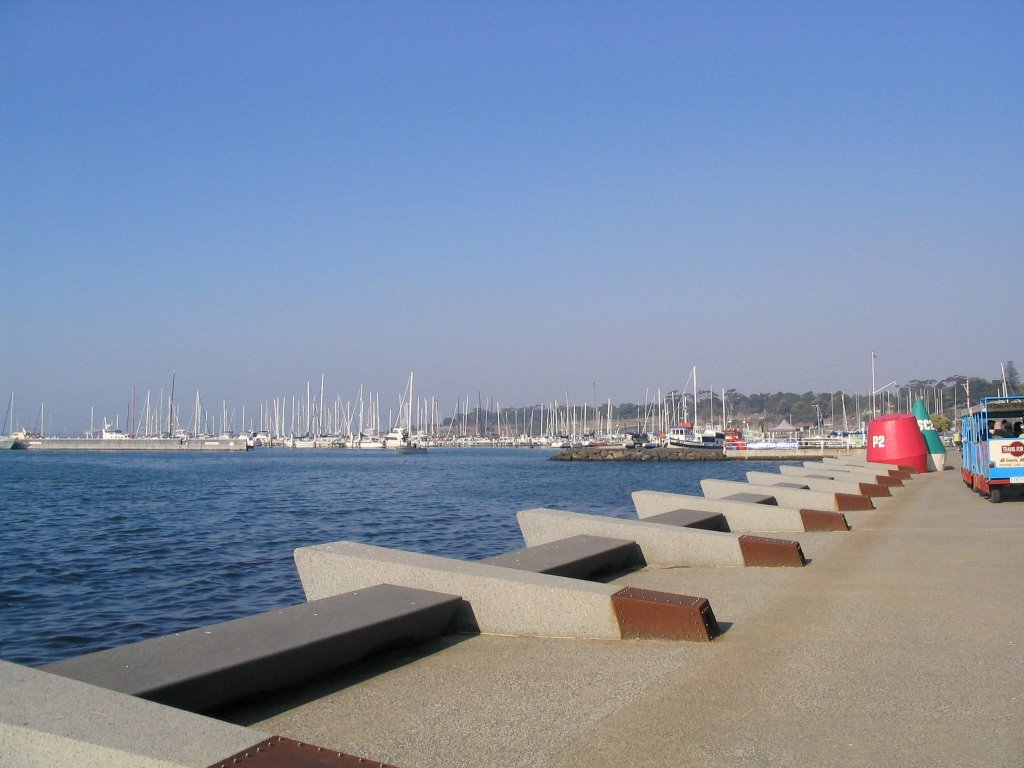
(617, 453)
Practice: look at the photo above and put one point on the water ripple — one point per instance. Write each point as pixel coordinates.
(106, 549)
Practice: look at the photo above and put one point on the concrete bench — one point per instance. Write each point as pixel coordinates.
(741, 515)
(692, 518)
(204, 668)
(788, 497)
(577, 557)
(893, 470)
(662, 546)
(807, 482)
(510, 601)
(839, 472)
(753, 498)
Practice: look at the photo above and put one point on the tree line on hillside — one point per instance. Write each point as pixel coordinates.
(944, 399)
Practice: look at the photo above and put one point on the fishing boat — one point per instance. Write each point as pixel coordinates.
(685, 436)
(411, 447)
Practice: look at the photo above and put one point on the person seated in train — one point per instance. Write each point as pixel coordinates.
(1003, 430)
(1018, 429)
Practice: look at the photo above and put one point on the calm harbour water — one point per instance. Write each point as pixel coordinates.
(104, 549)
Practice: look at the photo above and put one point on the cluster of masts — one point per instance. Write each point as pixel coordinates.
(314, 422)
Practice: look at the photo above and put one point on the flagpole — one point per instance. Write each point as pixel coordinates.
(872, 385)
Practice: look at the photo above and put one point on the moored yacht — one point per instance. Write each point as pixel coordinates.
(685, 436)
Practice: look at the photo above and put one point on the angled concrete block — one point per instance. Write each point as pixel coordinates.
(851, 474)
(741, 515)
(47, 719)
(666, 545)
(496, 600)
(855, 461)
(829, 485)
(826, 467)
(789, 497)
(893, 470)
(660, 545)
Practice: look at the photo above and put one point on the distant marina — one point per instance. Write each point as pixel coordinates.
(666, 428)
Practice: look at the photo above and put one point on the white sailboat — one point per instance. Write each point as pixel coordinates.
(398, 438)
(7, 439)
(367, 436)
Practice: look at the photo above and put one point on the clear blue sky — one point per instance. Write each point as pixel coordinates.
(521, 199)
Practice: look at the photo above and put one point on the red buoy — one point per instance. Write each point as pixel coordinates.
(896, 439)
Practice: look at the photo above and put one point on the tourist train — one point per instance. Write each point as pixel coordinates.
(993, 447)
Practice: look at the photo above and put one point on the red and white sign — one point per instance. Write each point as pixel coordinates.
(1006, 454)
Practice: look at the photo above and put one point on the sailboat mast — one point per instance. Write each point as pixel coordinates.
(695, 398)
(320, 415)
(170, 407)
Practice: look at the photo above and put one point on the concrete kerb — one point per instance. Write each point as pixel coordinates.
(829, 485)
(665, 546)
(741, 515)
(508, 601)
(789, 497)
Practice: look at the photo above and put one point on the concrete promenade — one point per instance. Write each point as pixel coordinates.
(900, 644)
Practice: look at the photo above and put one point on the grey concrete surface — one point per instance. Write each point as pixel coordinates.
(836, 472)
(203, 668)
(49, 721)
(660, 545)
(742, 516)
(815, 483)
(786, 497)
(901, 644)
(860, 460)
(578, 557)
(497, 600)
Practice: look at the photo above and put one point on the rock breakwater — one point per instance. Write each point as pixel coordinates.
(602, 453)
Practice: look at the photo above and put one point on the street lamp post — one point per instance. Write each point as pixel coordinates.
(873, 390)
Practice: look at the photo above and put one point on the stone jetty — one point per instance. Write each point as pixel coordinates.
(618, 453)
